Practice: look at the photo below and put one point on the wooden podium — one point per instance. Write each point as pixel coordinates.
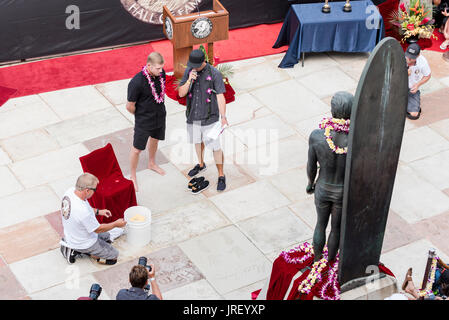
(192, 29)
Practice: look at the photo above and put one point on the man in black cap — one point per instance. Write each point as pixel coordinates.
(418, 74)
(203, 86)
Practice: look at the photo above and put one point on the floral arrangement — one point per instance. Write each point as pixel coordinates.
(414, 20)
(428, 289)
(338, 125)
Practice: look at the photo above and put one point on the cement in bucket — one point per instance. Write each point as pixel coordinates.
(138, 233)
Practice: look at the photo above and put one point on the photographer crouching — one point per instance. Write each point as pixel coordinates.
(140, 278)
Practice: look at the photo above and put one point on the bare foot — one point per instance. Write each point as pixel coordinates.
(134, 180)
(410, 287)
(157, 169)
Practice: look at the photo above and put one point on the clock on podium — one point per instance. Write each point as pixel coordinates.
(196, 28)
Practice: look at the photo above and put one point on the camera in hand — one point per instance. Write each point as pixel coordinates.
(95, 291)
(143, 262)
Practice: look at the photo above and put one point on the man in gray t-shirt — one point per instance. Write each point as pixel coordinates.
(204, 89)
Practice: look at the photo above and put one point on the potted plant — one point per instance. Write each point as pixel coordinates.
(413, 21)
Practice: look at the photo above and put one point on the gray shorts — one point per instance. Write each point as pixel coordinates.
(414, 102)
(101, 248)
(198, 134)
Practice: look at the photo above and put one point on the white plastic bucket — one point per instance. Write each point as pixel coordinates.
(138, 233)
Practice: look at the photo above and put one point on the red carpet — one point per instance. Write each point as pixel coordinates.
(117, 64)
(5, 94)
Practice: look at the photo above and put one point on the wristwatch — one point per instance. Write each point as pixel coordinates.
(97, 212)
(152, 279)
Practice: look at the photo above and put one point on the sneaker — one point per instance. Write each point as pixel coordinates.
(195, 181)
(69, 254)
(221, 185)
(408, 115)
(197, 169)
(200, 187)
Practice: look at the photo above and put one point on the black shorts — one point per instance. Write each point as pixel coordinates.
(141, 137)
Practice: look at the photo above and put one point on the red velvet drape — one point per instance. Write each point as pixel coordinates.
(114, 192)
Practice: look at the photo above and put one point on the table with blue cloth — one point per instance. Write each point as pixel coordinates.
(307, 29)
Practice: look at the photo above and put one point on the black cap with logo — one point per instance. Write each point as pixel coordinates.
(413, 51)
(196, 59)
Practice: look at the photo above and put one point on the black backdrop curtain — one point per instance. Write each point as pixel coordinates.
(36, 28)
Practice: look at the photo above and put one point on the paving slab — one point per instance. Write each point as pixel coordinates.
(243, 109)
(50, 166)
(249, 201)
(199, 290)
(257, 76)
(344, 58)
(29, 144)
(275, 230)
(186, 222)
(434, 107)
(434, 169)
(398, 233)
(241, 263)
(60, 186)
(116, 92)
(92, 125)
(9, 183)
(10, 288)
(291, 101)
(27, 204)
(439, 68)
(413, 255)
(55, 220)
(71, 290)
(122, 142)
(245, 292)
(4, 157)
(262, 131)
(314, 62)
(326, 83)
(414, 198)
(292, 184)
(441, 127)
(305, 127)
(416, 144)
(27, 239)
(434, 229)
(18, 102)
(163, 193)
(49, 269)
(173, 270)
(275, 158)
(26, 117)
(75, 102)
(236, 177)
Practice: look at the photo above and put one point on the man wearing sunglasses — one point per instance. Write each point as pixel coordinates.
(83, 234)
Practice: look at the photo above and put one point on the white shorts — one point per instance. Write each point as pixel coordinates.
(198, 134)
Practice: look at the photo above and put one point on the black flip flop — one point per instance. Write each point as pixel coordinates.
(195, 181)
(200, 187)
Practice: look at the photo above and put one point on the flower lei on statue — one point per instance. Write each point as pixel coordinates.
(322, 279)
(337, 125)
(159, 98)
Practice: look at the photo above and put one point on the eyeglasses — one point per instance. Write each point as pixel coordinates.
(93, 189)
